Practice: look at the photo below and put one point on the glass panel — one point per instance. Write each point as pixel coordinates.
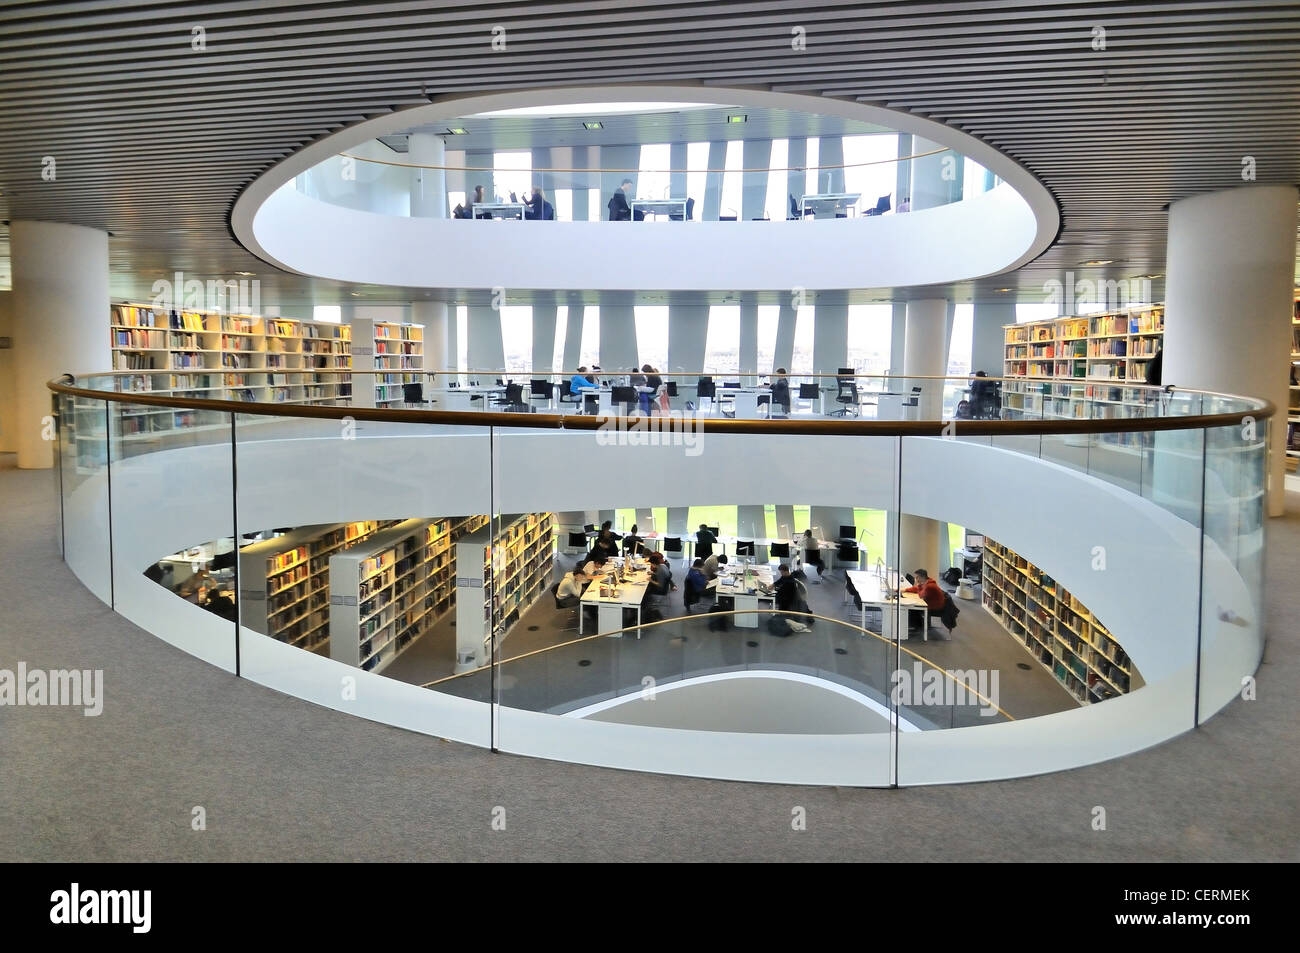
(83, 457)
(361, 590)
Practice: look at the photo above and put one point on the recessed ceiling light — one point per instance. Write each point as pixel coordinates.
(1099, 261)
(1150, 276)
(741, 117)
(1001, 290)
(356, 294)
(245, 274)
(458, 131)
(593, 125)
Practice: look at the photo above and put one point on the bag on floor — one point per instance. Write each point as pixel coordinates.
(719, 622)
(778, 626)
(952, 576)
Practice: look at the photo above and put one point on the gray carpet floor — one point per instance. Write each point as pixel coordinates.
(280, 779)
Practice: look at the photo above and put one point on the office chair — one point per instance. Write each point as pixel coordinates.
(847, 554)
(795, 213)
(626, 396)
(809, 393)
(571, 620)
(567, 396)
(514, 400)
(541, 390)
(673, 547)
(690, 212)
(705, 388)
(744, 547)
(413, 394)
(672, 388)
(882, 206)
(847, 395)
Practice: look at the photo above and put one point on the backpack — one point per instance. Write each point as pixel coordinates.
(952, 576)
(778, 626)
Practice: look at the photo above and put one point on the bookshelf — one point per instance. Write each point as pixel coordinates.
(386, 590)
(1055, 628)
(1076, 367)
(394, 350)
(284, 581)
(498, 577)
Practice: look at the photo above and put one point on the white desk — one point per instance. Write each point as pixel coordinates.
(658, 207)
(746, 600)
(872, 593)
(609, 607)
(744, 400)
(830, 201)
(499, 210)
(461, 398)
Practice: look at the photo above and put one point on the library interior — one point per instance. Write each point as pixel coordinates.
(759, 429)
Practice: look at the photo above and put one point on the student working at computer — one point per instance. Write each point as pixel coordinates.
(619, 209)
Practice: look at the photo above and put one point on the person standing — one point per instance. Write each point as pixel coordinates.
(704, 540)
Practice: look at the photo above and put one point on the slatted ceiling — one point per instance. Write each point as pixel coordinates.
(169, 136)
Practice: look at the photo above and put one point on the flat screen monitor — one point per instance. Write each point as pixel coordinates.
(715, 531)
(577, 540)
(848, 532)
(780, 550)
(846, 372)
(974, 541)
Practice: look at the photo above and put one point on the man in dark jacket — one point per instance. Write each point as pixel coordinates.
(619, 210)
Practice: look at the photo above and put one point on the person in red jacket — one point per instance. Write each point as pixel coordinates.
(934, 597)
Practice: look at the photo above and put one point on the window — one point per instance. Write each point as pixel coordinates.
(589, 355)
(777, 205)
(652, 181)
(561, 331)
(462, 338)
(810, 176)
(652, 335)
(454, 199)
(697, 163)
(563, 205)
(595, 207)
(870, 330)
(959, 347)
(731, 178)
(974, 179)
(332, 313)
(512, 172)
(517, 338)
(722, 340)
(768, 315)
(1034, 311)
(871, 181)
(723, 517)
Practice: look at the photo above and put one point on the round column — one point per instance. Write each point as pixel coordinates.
(428, 186)
(60, 320)
(1229, 282)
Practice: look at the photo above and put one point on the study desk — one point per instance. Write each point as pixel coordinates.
(658, 207)
(829, 201)
(499, 210)
(744, 400)
(872, 593)
(746, 600)
(609, 608)
(462, 398)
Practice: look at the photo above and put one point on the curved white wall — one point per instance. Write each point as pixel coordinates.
(988, 234)
(1006, 494)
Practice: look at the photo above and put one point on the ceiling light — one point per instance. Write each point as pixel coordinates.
(356, 294)
(1099, 261)
(738, 118)
(1150, 276)
(457, 131)
(1001, 290)
(592, 125)
(245, 274)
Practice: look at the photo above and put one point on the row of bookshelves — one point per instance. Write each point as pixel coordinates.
(1055, 627)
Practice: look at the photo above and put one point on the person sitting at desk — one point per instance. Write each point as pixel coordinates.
(593, 564)
(781, 391)
(787, 590)
(812, 552)
(580, 382)
(619, 210)
(661, 577)
(712, 563)
(704, 540)
(467, 210)
(934, 596)
(631, 542)
(696, 586)
(537, 208)
(653, 384)
(569, 594)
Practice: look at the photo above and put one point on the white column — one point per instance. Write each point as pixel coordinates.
(924, 354)
(749, 342)
(1228, 302)
(8, 396)
(433, 315)
(987, 337)
(60, 320)
(428, 186)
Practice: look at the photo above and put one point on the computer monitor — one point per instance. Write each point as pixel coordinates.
(846, 372)
(715, 531)
(577, 540)
(848, 532)
(974, 541)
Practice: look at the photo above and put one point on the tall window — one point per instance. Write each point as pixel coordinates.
(777, 204)
(512, 172)
(454, 199)
(652, 335)
(811, 177)
(959, 348)
(722, 340)
(561, 331)
(563, 202)
(517, 337)
(731, 178)
(871, 181)
(768, 315)
(652, 181)
(870, 330)
(973, 178)
(697, 162)
(589, 355)
(462, 339)
(1036, 311)
(802, 362)
(327, 312)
